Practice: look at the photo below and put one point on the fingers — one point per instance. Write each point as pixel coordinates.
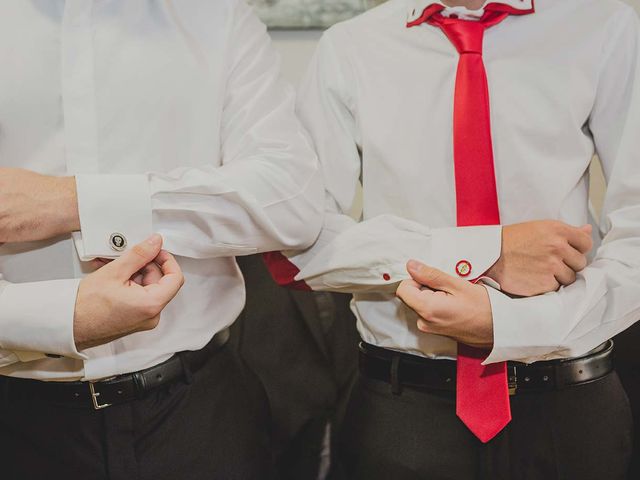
(432, 277)
(172, 279)
(428, 304)
(565, 275)
(150, 274)
(580, 238)
(574, 259)
(135, 259)
(167, 263)
(98, 263)
(411, 293)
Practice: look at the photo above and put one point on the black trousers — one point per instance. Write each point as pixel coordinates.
(307, 372)
(626, 359)
(579, 433)
(213, 426)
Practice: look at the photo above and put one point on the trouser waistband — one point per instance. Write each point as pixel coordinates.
(113, 391)
(404, 370)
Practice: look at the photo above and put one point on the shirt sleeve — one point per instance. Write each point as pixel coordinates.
(266, 194)
(112, 209)
(371, 255)
(605, 299)
(36, 320)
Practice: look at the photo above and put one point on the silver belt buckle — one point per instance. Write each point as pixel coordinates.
(94, 397)
(512, 376)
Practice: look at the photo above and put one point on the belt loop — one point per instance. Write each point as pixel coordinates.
(396, 387)
(188, 375)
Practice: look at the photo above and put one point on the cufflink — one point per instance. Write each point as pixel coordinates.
(463, 268)
(118, 242)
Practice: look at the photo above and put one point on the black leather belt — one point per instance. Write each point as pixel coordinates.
(112, 391)
(404, 370)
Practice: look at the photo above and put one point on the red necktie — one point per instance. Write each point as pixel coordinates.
(482, 394)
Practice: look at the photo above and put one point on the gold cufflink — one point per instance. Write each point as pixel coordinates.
(463, 268)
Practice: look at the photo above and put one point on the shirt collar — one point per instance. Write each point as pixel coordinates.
(417, 9)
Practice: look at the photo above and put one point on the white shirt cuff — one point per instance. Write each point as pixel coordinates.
(115, 214)
(525, 329)
(466, 252)
(38, 317)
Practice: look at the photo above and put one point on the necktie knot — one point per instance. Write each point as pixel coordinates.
(466, 36)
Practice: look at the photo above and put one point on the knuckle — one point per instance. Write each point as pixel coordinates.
(552, 285)
(139, 251)
(582, 262)
(557, 245)
(550, 265)
(562, 227)
(554, 225)
(432, 275)
(589, 243)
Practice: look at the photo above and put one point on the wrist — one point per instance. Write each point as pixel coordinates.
(79, 323)
(496, 271)
(488, 315)
(69, 216)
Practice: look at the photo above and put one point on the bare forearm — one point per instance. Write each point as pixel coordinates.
(36, 207)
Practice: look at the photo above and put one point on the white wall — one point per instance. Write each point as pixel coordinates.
(296, 48)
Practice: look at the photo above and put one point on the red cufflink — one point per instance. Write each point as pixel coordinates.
(463, 268)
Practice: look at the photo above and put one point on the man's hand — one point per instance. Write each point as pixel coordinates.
(126, 295)
(448, 306)
(538, 257)
(36, 207)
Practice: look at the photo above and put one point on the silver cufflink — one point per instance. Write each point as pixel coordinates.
(118, 242)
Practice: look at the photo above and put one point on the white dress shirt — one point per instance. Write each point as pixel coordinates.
(174, 120)
(564, 83)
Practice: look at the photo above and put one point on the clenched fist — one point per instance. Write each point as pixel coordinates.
(538, 257)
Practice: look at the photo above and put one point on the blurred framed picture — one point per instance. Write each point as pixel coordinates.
(303, 14)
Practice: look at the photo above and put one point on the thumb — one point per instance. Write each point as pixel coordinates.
(132, 261)
(431, 277)
(586, 228)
